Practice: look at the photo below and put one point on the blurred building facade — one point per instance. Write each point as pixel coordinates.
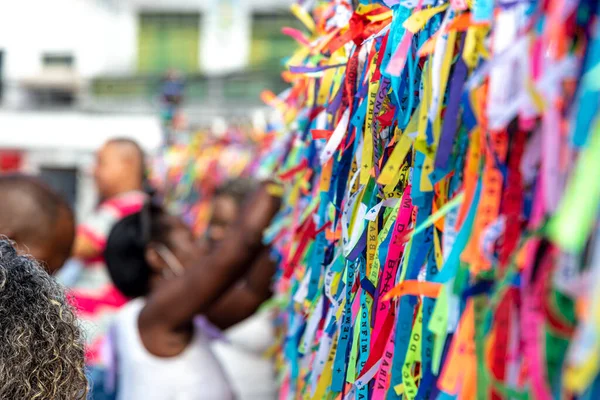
(109, 55)
(75, 72)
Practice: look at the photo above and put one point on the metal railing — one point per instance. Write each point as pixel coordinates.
(226, 95)
(239, 87)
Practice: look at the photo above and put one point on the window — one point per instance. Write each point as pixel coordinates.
(269, 46)
(57, 60)
(57, 84)
(63, 181)
(168, 40)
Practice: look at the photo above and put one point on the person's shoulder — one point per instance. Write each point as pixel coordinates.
(131, 310)
(126, 203)
(133, 196)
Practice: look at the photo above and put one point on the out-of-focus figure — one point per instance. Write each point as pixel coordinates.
(119, 176)
(182, 366)
(162, 350)
(37, 219)
(41, 346)
(172, 94)
(242, 353)
(172, 89)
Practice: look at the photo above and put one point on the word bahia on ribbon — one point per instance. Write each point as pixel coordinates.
(439, 235)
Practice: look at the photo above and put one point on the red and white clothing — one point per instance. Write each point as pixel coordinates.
(93, 293)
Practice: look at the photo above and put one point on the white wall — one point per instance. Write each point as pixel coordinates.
(102, 35)
(73, 131)
(102, 39)
(202, 5)
(69, 140)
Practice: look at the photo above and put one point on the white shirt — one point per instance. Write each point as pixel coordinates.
(195, 374)
(251, 374)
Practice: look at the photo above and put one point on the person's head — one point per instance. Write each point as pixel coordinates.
(39, 220)
(145, 248)
(172, 74)
(227, 205)
(120, 168)
(41, 346)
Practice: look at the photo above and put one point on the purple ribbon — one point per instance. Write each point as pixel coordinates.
(300, 69)
(204, 325)
(336, 102)
(360, 246)
(451, 116)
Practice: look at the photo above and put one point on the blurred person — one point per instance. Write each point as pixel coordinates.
(172, 92)
(41, 347)
(37, 219)
(242, 354)
(172, 88)
(120, 169)
(161, 350)
(119, 176)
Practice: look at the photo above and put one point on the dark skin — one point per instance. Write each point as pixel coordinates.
(117, 170)
(57, 249)
(166, 321)
(241, 301)
(225, 211)
(52, 245)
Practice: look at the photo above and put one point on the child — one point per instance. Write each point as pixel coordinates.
(252, 376)
(154, 257)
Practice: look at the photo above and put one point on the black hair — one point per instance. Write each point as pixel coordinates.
(238, 188)
(29, 207)
(125, 252)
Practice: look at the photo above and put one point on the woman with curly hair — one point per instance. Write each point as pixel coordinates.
(41, 348)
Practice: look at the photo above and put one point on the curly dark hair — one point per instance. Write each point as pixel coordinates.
(41, 345)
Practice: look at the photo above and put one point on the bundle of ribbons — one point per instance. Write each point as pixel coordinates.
(188, 172)
(439, 234)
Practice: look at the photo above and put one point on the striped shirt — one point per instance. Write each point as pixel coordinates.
(93, 293)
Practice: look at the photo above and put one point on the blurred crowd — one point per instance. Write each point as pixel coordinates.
(148, 305)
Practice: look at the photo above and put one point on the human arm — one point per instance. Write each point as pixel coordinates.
(91, 236)
(244, 298)
(177, 301)
(92, 233)
(85, 248)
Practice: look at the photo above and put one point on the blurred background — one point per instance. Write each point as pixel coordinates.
(74, 73)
